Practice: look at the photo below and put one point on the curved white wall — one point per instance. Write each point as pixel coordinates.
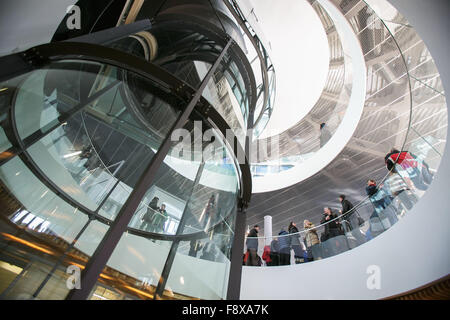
(355, 65)
(414, 252)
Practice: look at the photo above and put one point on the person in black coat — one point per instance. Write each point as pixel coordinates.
(332, 229)
(351, 222)
(348, 214)
(296, 243)
(252, 246)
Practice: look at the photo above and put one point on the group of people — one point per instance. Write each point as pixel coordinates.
(406, 173)
(154, 219)
(306, 249)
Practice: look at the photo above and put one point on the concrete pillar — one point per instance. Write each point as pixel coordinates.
(267, 230)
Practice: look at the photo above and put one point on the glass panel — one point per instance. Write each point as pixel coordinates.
(194, 193)
(4, 142)
(114, 122)
(111, 138)
(37, 228)
(211, 255)
(134, 268)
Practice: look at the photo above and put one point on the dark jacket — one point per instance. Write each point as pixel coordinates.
(295, 238)
(274, 246)
(284, 242)
(252, 241)
(371, 190)
(346, 207)
(404, 158)
(332, 225)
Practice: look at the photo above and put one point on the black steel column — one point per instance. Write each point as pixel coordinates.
(106, 247)
(80, 233)
(237, 254)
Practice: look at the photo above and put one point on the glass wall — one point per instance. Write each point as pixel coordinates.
(194, 198)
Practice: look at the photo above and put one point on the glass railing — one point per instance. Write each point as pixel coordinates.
(386, 204)
(262, 67)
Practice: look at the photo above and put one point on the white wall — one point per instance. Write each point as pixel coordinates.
(38, 21)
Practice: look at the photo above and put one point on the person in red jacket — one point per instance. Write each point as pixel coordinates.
(402, 162)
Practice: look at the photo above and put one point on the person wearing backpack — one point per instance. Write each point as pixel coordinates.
(404, 163)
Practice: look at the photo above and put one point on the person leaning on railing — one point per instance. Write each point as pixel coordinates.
(312, 241)
(332, 229)
(252, 246)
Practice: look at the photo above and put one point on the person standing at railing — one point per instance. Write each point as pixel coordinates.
(397, 188)
(312, 241)
(348, 213)
(325, 134)
(208, 212)
(252, 246)
(296, 243)
(275, 252)
(147, 218)
(405, 164)
(351, 220)
(160, 218)
(284, 242)
(381, 202)
(332, 229)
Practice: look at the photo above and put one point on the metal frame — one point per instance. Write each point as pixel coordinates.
(67, 50)
(112, 237)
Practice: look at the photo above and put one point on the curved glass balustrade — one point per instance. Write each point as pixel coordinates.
(75, 145)
(387, 202)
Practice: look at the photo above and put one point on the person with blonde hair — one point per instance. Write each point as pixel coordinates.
(312, 241)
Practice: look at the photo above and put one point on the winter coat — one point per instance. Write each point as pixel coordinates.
(346, 206)
(325, 135)
(284, 242)
(274, 246)
(295, 238)
(404, 159)
(394, 184)
(331, 225)
(371, 190)
(311, 237)
(252, 241)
